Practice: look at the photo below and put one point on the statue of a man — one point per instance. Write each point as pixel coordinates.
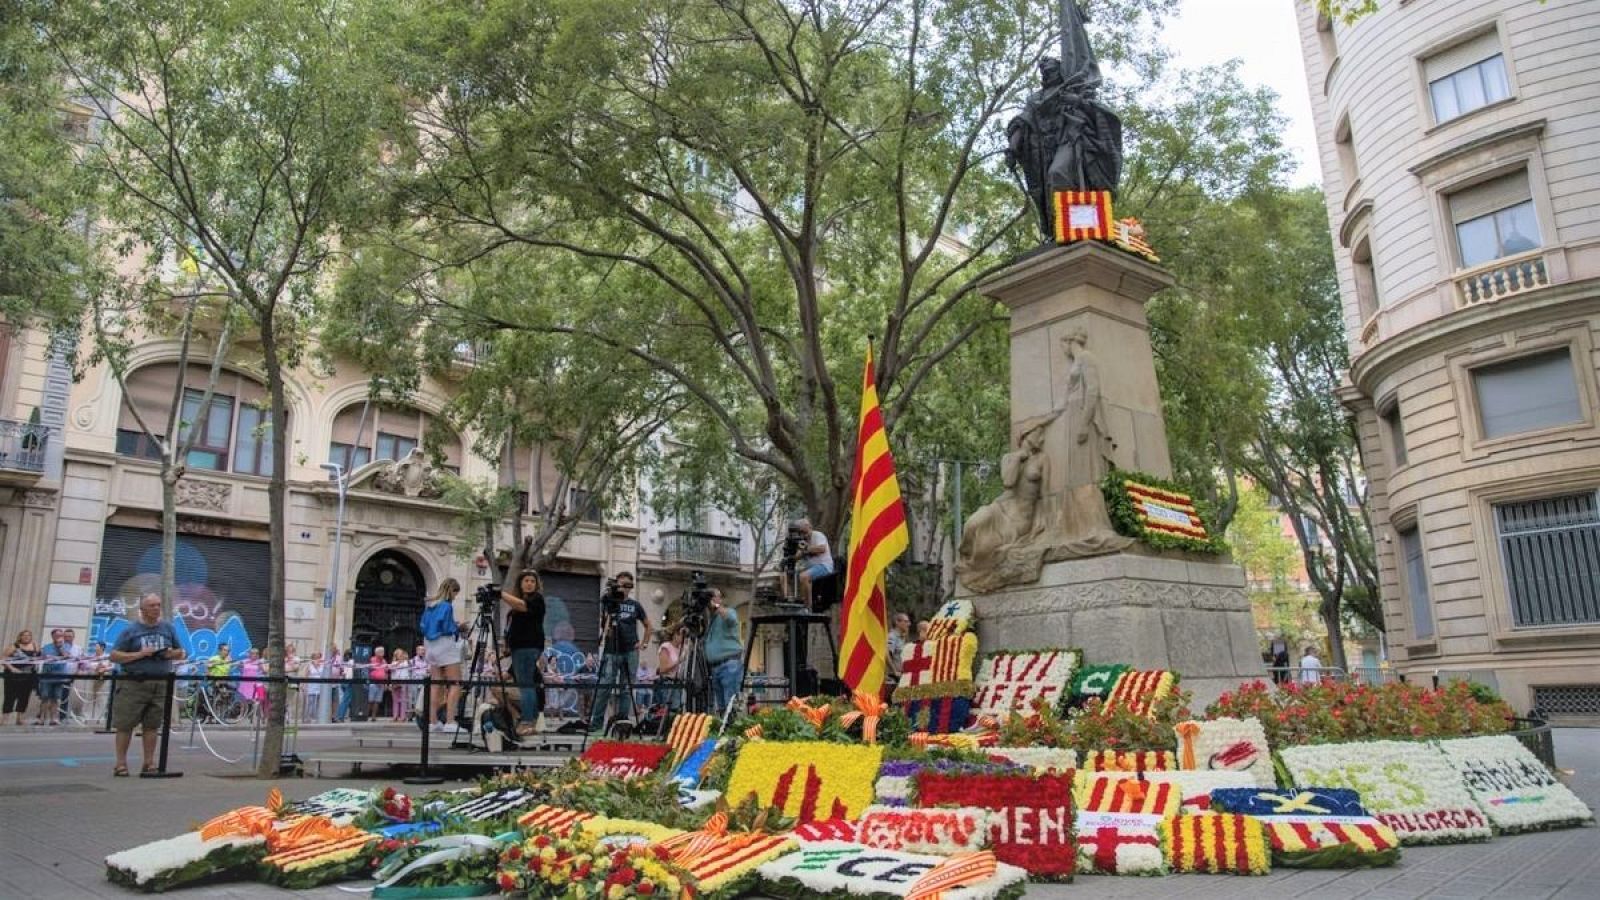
(1089, 443)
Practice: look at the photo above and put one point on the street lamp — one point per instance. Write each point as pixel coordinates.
(336, 474)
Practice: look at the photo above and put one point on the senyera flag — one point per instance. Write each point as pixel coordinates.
(877, 535)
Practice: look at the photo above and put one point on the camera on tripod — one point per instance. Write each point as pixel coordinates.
(488, 598)
(611, 597)
(696, 603)
(794, 544)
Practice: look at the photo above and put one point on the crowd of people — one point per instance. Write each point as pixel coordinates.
(60, 675)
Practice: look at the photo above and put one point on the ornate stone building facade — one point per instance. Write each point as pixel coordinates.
(1460, 146)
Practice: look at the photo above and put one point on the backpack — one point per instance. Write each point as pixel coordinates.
(439, 620)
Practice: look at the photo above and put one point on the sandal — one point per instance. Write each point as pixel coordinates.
(147, 770)
(120, 772)
(526, 729)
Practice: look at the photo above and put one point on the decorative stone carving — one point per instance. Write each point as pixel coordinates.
(1000, 542)
(413, 476)
(39, 499)
(211, 496)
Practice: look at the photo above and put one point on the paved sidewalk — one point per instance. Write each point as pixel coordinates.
(61, 813)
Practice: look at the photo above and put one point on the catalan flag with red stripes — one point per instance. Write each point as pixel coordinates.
(877, 536)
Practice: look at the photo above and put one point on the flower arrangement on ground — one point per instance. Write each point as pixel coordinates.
(459, 865)
(185, 859)
(1217, 843)
(1138, 690)
(1096, 681)
(1226, 744)
(1109, 847)
(1339, 844)
(1015, 681)
(1119, 793)
(1511, 785)
(580, 866)
(315, 852)
(837, 871)
(806, 780)
(896, 784)
(1039, 759)
(624, 759)
(1032, 822)
(1332, 712)
(942, 831)
(1408, 785)
(956, 616)
(1195, 786)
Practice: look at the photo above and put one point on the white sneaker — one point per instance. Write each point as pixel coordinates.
(538, 725)
(440, 728)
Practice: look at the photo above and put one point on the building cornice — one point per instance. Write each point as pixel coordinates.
(1574, 298)
(1493, 138)
(1353, 221)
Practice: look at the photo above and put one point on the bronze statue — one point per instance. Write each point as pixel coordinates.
(1064, 139)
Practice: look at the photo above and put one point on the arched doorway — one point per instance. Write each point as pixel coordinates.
(389, 598)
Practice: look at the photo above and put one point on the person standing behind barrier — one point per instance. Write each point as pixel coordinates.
(621, 653)
(1310, 667)
(342, 670)
(52, 686)
(252, 692)
(400, 675)
(525, 637)
(668, 659)
(22, 674)
(311, 696)
(96, 664)
(441, 636)
(723, 651)
(377, 678)
(145, 650)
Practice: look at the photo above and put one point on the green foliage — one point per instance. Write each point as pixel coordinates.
(1125, 515)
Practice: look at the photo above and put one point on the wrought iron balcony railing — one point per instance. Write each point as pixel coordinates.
(22, 445)
(696, 547)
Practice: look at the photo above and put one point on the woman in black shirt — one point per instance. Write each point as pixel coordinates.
(525, 638)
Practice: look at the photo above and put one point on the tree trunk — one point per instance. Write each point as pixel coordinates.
(170, 473)
(277, 490)
(1330, 620)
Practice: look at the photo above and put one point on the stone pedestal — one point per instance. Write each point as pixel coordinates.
(1134, 606)
(1102, 291)
(1151, 612)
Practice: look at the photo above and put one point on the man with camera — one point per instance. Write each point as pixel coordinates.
(815, 556)
(621, 618)
(723, 651)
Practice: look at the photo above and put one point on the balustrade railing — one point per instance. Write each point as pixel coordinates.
(1501, 279)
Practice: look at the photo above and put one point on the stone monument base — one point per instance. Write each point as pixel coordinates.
(1191, 616)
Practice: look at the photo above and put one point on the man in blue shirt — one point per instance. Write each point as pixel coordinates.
(53, 683)
(145, 650)
(723, 653)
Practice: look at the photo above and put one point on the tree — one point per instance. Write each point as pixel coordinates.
(241, 129)
(45, 265)
(1270, 561)
(755, 186)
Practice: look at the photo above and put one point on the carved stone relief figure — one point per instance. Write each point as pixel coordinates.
(207, 495)
(413, 476)
(1089, 443)
(999, 542)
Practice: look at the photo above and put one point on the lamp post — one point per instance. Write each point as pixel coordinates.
(336, 474)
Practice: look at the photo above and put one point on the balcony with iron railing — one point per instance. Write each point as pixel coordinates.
(22, 451)
(698, 548)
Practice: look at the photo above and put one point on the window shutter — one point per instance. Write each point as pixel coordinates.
(1527, 394)
(1490, 196)
(1454, 59)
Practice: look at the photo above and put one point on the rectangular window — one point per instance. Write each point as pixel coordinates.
(1468, 76)
(1494, 219)
(135, 443)
(211, 427)
(395, 447)
(252, 442)
(348, 456)
(1551, 549)
(1395, 428)
(1527, 394)
(1415, 567)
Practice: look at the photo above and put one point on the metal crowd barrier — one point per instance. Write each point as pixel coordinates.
(426, 714)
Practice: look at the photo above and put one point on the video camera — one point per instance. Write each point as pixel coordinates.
(488, 598)
(696, 603)
(611, 597)
(794, 545)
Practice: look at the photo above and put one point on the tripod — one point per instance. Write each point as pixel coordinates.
(694, 672)
(485, 633)
(611, 655)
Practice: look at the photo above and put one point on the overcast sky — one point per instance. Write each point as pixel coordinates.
(1263, 34)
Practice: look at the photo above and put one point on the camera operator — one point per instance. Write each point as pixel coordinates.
(723, 651)
(525, 638)
(816, 557)
(620, 656)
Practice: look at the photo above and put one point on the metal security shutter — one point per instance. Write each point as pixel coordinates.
(1552, 558)
(222, 585)
(573, 598)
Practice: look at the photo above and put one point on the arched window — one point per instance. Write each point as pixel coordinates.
(390, 432)
(232, 432)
